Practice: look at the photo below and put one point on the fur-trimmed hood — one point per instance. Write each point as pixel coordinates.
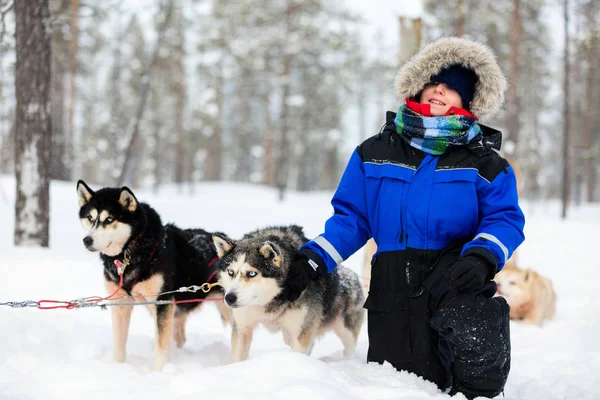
(430, 60)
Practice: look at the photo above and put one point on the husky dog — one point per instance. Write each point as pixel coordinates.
(252, 272)
(159, 258)
(530, 295)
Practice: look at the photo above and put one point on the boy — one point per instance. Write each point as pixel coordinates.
(442, 207)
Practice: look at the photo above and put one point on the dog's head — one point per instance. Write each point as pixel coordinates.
(109, 217)
(515, 284)
(251, 270)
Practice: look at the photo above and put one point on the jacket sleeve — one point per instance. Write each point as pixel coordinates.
(348, 229)
(501, 221)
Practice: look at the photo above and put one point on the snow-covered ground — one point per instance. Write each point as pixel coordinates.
(60, 354)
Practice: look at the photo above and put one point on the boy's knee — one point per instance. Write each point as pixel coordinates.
(467, 312)
(478, 331)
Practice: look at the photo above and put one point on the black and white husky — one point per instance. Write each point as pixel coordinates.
(161, 258)
(252, 272)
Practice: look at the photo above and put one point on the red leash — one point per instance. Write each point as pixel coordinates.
(69, 305)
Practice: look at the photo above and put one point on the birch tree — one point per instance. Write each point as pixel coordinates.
(33, 122)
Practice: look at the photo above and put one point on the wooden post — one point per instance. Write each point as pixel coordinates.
(410, 38)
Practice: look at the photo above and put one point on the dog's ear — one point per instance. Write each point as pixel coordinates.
(271, 251)
(84, 193)
(223, 243)
(127, 199)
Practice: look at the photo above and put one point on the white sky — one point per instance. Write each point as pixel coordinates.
(382, 16)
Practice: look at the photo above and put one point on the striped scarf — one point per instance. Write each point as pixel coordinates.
(434, 135)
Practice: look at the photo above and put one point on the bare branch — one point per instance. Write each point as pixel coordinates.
(5, 10)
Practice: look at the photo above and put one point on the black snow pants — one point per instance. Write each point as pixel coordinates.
(461, 342)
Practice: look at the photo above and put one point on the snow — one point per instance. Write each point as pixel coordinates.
(60, 354)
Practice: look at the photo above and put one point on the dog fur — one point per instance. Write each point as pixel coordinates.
(162, 258)
(530, 295)
(252, 272)
(369, 250)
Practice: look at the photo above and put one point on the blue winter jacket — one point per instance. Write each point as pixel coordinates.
(409, 200)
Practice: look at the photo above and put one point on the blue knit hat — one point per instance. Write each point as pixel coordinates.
(459, 78)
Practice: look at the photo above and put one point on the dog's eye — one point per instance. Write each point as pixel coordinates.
(109, 220)
(251, 274)
(230, 272)
(89, 218)
(512, 283)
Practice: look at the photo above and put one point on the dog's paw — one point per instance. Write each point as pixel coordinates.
(159, 363)
(119, 357)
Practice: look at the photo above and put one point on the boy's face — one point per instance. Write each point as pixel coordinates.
(440, 97)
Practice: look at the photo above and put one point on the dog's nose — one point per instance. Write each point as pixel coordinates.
(230, 299)
(88, 241)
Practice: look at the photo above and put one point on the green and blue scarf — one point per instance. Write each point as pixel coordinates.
(434, 135)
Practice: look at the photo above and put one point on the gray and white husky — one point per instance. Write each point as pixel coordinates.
(252, 271)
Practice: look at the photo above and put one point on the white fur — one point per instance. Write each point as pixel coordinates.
(107, 240)
(255, 291)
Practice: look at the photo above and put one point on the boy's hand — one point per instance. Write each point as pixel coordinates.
(470, 273)
(300, 274)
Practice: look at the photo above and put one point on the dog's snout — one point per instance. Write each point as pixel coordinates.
(88, 241)
(230, 299)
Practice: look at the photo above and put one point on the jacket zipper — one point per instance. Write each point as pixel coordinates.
(401, 236)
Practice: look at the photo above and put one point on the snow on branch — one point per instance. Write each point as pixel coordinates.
(3, 11)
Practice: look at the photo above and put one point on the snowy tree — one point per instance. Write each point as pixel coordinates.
(165, 14)
(586, 86)
(60, 12)
(7, 128)
(33, 122)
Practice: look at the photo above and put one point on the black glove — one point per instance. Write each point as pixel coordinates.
(301, 273)
(472, 271)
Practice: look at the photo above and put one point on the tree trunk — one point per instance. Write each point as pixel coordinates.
(268, 170)
(512, 115)
(58, 170)
(304, 179)
(588, 161)
(460, 19)
(146, 79)
(158, 145)
(282, 167)
(410, 38)
(181, 146)
(566, 134)
(213, 161)
(33, 122)
(67, 151)
(60, 50)
(330, 173)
